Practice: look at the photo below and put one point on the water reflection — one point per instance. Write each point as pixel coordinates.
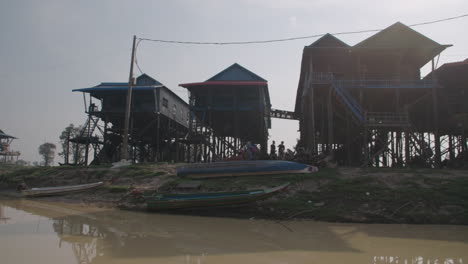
(3, 218)
(129, 235)
(415, 260)
(85, 239)
(112, 235)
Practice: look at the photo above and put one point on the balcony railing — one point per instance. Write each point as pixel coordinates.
(387, 119)
(328, 77)
(373, 119)
(382, 84)
(322, 77)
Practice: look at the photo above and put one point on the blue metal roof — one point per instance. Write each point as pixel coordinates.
(145, 79)
(113, 84)
(116, 88)
(3, 135)
(143, 83)
(236, 72)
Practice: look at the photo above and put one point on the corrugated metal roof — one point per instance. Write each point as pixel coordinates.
(228, 83)
(3, 135)
(112, 84)
(328, 41)
(144, 82)
(236, 72)
(457, 63)
(234, 75)
(145, 79)
(118, 88)
(398, 35)
(451, 72)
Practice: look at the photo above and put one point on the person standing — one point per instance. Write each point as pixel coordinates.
(273, 150)
(281, 150)
(248, 155)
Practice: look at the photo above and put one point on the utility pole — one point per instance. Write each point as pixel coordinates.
(128, 105)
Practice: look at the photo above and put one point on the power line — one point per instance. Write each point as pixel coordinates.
(254, 41)
(136, 59)
(293, 38)
(440, 20)
(281, 40)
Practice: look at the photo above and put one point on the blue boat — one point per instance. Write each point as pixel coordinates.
(158, 202)
(243, 168)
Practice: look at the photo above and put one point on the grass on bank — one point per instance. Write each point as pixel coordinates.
(10, 176)
(370, 195)
(419, 199)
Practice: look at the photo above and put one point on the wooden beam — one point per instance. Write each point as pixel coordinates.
(330, 120)
(313, 143)
(435, 108)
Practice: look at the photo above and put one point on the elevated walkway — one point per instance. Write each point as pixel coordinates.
(283, 114)
(387, 84)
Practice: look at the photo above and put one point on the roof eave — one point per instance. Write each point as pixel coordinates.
(224, 83)
(116, 89)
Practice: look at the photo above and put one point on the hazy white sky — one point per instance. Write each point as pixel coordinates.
(50, 47)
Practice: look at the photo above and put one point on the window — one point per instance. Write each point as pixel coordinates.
(165, 102)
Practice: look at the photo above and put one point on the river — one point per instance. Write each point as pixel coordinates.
(45, 232)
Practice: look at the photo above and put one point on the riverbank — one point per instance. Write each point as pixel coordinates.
(372, 195)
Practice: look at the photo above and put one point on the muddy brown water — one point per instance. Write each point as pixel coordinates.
(44, 232)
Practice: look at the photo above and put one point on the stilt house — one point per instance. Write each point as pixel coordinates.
(6, 154)
(368, 105)
(226, 111)
(159, 119)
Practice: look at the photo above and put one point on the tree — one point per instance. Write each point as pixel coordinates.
(70, 148)
(47, 151)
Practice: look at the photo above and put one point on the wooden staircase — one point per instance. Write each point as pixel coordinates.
(86, 133)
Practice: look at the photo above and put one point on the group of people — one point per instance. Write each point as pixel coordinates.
(281, 151)
(251, 152)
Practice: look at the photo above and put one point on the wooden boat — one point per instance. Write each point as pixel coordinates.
(241, 168)
(60, 190)
(194, 200)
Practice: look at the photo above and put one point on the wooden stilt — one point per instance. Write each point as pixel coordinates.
(330, 121)
(451, 149)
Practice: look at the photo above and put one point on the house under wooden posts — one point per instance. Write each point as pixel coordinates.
(453, 110)
(226, 111)
(159, 119)
(367, 104)
(6, 154)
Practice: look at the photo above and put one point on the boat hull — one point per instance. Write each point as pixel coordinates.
(61, 190)
(181, 201)
(243, 168)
